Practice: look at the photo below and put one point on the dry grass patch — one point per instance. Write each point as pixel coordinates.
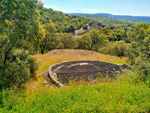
(57, 56)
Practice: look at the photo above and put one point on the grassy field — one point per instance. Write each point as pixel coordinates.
(123, 95)
(120, 96)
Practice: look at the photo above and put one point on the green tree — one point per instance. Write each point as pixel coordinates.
(124, 35)
(84, 42)
(71, 29)
(66, 41)
(98, 39)
(120, 49)
(112, 27)
(85, 27)
(19, 69)
(17, 18)
(50, 30)
(139, 52)
(117, 48)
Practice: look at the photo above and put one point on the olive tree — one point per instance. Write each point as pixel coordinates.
(17, 19)
(98, 40)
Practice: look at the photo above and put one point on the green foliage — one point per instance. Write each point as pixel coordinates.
(91, 41)
(117, 34)
(54, 40)
(66, 41)
(85, 27)
(139, 52)
(47, 36)
(98, 39)
(112, 27)
(17, 10)
(64, 23)
(17, 19)
(118, 48)
(84, 42)
(109, 20)
(18, 70)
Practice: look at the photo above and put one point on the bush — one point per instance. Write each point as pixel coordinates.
(98, 40)
(65, 41)
(85, 27)
(118, 48)
(18, 70)
(84, 42)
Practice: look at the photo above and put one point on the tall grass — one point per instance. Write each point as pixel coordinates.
(122, 95)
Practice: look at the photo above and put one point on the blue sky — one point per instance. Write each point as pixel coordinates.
(117, 7)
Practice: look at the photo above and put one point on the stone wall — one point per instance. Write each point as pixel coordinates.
(88, 70)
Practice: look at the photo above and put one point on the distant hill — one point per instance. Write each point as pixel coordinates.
(110, 20)
(144, 19)
(66, 23)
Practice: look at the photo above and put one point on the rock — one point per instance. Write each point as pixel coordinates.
(125, 66)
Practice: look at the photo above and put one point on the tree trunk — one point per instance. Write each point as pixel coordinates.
(91, 47)
(6, 55)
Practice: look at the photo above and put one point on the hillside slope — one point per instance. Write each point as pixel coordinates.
(144, 19)
(110, 20)
(65, 23)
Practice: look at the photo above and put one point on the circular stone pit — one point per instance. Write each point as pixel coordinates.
(88, 70)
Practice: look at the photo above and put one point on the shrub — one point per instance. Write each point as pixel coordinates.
(84, 42)
(98, 40)
(85, 27)
(118, 48)
(18, 70)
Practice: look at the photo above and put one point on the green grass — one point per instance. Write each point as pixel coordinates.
(122, 95)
